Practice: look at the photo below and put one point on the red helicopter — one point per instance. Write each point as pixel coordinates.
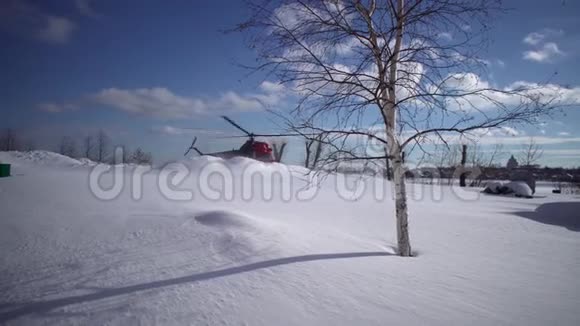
(257, 150)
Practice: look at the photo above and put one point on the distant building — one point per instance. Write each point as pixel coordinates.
(512, 163)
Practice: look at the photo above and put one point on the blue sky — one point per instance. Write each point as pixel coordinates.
(142, 70)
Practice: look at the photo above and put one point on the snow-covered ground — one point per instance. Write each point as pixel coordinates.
(68, 257)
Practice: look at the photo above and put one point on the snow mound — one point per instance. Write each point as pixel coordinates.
(72, 258)
(48, 158)
(241, 164)
(238, 161)
(231, 237)
(39, 158)
(224, 219)
(494, 187)
(202, 159)
(87, 162)
(517, 188)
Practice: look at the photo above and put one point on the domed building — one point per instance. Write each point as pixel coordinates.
(512, 163)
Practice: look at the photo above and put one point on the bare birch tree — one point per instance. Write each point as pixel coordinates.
(530, 153)
(407, 67)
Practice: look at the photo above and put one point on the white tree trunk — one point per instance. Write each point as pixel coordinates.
(396, 155)
(388, 104)
(403, 242)
(395, 150)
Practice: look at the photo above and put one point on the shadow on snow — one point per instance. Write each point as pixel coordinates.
(39, 307)
(566, 214)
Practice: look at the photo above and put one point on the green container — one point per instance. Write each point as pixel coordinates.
(4, 170)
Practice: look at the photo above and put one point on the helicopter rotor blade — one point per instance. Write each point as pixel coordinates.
(277, 135)
(250, 134)
(230, 137)
(236, 125)
(268, 135)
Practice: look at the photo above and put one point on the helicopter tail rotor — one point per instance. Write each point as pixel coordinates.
(193, 147)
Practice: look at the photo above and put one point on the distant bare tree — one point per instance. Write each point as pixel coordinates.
(530, 153)
(445, 156)
(29, 145)
(485, 159)
(102, 146)
(9, 140)
(126, 154)
(279, 147)
(463, 174)
(68, 147)
(384, 63)
(140, 157)
(314, 148)
(88, 147)
(451, 157)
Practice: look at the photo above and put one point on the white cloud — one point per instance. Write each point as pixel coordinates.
(163, 103)
(159, 102)
(177, 131)
(486, 98)
(50, 107)
(497, 132)
(564, 95)
(497, 136)
(56, 30)
(561, 152)
(543, 51)
(26, 19)
(57, 108)
(536, 38)
(446, 36)
(500, 63)
(171, 131)
(563, 133)
(540, 140)
(297, 16)
(481, 137)
(465, 82)
(547, 53)
(348, 47)
(85, 8)
(271, 87)
(511, 131)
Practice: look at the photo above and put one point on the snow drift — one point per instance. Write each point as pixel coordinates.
(43, 158)
(517, 188)
(71, 258)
